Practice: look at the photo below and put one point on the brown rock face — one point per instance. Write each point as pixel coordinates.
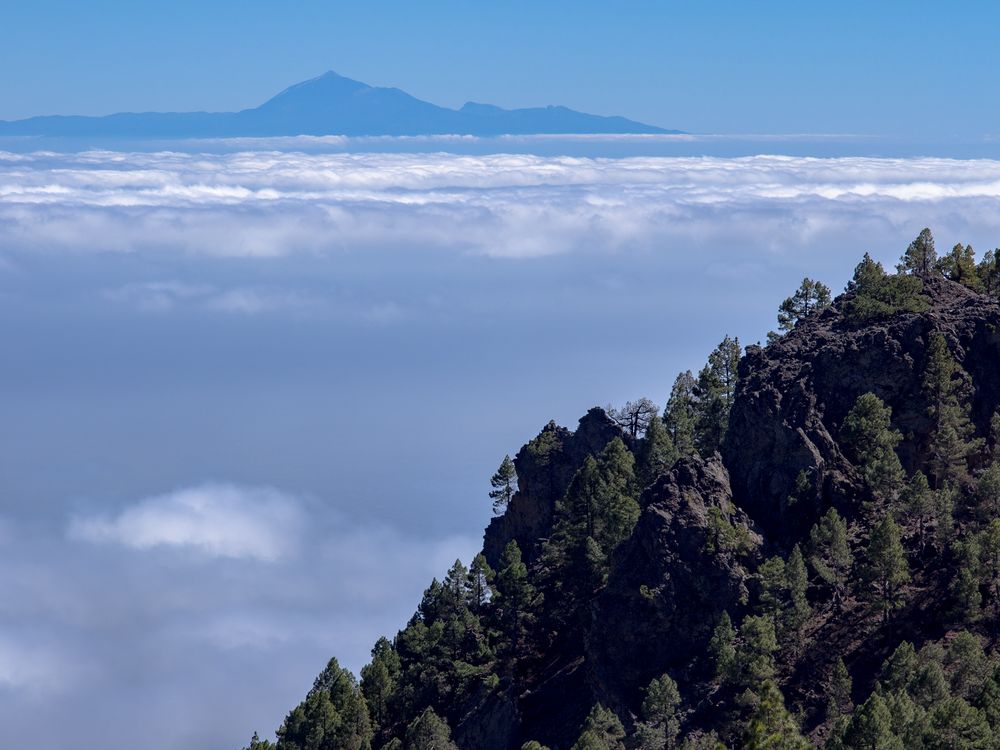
(793, 396)
(545, 467)
(685, 564)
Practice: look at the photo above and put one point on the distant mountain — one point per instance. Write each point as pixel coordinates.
(332, 105)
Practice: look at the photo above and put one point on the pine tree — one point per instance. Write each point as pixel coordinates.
(533, 745)
(918, 502)
(771, 726)
(680, 416)
(378, 680)
(870, 728)
(600, 502)
(601, 731)
(430, 608)
(808, 298)
(830, 554)
(256, 743)
(955, 725)
(773, 588)
(428, 732)
(964, 586)
(886, 569)
(839, 690)
(504, 484)
(868, 432)
(967, 665)
(783, 587)
(578, 513)
(755, 655)
(867, 274)
(929, 686)
(334, 715)
(454, 589)
(988, 547)
(655, 453)
(722, 649)
(876, 295)
(943, 512)
(909, 720)
(968, 599)
(803, 488)
(988, 492)
(988, 271)
(516, 598)
(952, 439)
(598, 511)
(635, 417)
(920, 256)
(960, 265)
(594, 570)
(989, 699)
(797, 582)
(714, 393)
(660, 726)
(478, 584)
(724, 536)
(899, 669)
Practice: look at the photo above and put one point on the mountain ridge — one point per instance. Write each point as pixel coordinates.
(823, 572)
(331, 104)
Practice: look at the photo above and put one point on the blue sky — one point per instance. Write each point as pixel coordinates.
(915, 69)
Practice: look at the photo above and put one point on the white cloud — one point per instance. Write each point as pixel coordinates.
(272, 204)
(88, 623)
(217, 520)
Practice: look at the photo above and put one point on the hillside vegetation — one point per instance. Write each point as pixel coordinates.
(802, 551)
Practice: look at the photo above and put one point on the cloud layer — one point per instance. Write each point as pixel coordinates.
(267, 204)
(216, 595)
(349, 328)
(218, 520)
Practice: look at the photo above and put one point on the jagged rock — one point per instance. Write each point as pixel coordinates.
(492, 725)
(671, 581)
(545, 467)
(793, 396)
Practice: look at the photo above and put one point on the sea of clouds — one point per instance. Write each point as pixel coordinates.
(252, 398)
(267, 204)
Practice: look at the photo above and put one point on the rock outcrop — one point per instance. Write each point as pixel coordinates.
(794, 394)
(688, 561)
(493, 724)
(545, 467)
(708, 523)
(705, 528)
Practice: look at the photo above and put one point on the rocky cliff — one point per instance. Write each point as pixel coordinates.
(726, 539)
(545, 467)
(669, 582)
(688, 560)
(793, 396)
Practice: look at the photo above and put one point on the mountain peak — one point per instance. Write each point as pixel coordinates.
(328, 83)
(332, 104)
